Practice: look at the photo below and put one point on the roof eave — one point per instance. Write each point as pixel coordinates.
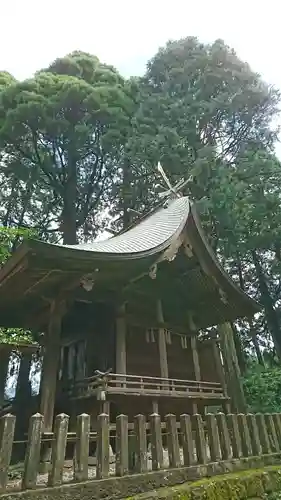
(209, 261)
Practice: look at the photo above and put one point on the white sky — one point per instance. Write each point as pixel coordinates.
(126, 33)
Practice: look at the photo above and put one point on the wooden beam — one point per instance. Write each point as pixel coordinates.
(121, 355)
(51, 364)
(153, 323)
(162, 343)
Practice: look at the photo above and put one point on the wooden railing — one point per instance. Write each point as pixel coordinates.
(146, 386)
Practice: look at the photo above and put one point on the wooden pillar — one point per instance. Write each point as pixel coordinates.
(195, 357)
(121, 356)
(220, 373)
(231, 369)
(162, 343)
(4, 363)
(51, 364)
(196, 367)
(155, 406)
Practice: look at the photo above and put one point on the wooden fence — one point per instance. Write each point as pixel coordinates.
(139, 446)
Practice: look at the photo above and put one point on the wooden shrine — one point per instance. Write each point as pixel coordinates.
(127, 321)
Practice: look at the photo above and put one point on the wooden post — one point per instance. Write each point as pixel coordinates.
(103, 446)
(81, 454)
(277, 423)
(140, 442)
(213, 437)
(32, 454)
(224, 436)
(58, 450)
(156, 442)
(254, 434)
(51, 365)
(121, 359)
(187, 438)
(196, 367)
(263, 433)
(272, 432)
(155, 406)
(4, 363)
(162, 343)
(245, 435)
(7, 430)
(201, 448)
(235, 437)
(173, 441)
(195, 358)
(122, 446)
(220, 373)
(231, 368)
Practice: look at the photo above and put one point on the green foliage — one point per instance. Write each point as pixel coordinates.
(9, 237)
(263, 389)
(199, 104)
(15, 336)
(65, 128)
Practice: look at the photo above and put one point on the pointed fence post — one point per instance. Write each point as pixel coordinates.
(141, 444)
(122, 446)
(32, 454)
(7, 431)
(187, 438)
(277, 423)
(200, 441)
(245, 435)
(103, 446)
(234, 433)
(213, 437)
(272, 432)
(263, 434)
(254, 434)
(224, 437)
(156, 442)
(173, 441)
(58, 450)
(81, 452)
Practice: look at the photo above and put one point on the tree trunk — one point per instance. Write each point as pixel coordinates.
(126, 195)
(12, 198)
(240, 274)
(267, 302)
(256, 345)
(69, 224)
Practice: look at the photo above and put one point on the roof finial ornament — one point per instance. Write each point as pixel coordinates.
(175, 191)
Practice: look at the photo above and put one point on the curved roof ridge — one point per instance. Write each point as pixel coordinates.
(153, 231)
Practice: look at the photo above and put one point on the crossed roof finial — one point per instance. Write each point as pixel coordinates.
(172, 191)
